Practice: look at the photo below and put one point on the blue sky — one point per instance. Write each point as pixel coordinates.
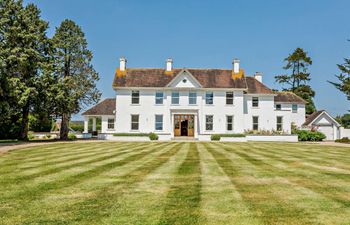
(209, 34)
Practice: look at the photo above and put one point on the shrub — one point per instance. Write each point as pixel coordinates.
(305, 135)
(215, 137)
(30, 135)
(343, 140)
(72, 136)
(153, 136)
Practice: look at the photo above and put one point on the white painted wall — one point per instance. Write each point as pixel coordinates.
(242, 111)
(344, 132)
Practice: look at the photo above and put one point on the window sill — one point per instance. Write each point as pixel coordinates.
(174, 104)
(158, 104)
(229, 105)
(209, 104)
(193, 104)
(135, 104)
(255, 107)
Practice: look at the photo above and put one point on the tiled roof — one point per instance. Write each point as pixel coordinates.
(208, 78)
(288, 97)
(312, 117)
(105, 107)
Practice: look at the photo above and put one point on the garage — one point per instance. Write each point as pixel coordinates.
(325, 123)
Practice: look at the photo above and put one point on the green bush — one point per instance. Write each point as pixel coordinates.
(343, 140)
(153, 136)
(131, 134)
(30, 135)
(215, 137)
(305, 135)
(72, 136)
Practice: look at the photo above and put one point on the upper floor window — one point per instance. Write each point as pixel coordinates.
(278, 107)
(229, 98)
(159, 122)
(134, 122)
(294, 108)
(175, 98)
(209, 122)
(192, 98)
(159, 97)
(279, 123)
(135, 97)
(110, 124)
(255, 101)
(229, 123)
(255, 123)
(209, 98)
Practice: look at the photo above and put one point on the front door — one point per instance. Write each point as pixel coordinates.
(184, 125)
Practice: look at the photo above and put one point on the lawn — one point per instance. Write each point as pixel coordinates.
(175, 183)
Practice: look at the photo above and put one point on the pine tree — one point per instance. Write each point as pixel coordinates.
(76, 77)
(344, 78)
(297, 82)
(23, 53)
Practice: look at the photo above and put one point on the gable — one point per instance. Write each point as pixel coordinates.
(321, 118)
(184, 80)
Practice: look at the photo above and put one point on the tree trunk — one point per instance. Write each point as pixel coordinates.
(64, 127)
(23, 134)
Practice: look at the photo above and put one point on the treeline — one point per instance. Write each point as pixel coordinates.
(41, 76)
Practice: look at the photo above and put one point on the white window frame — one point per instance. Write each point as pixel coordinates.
(207, 98)
(279, 124)
(295, 110)
(257, 123)
(192, 97)
(230, 98)
(174, 97)
(227, 123)
(110, 125)
(255, 100)
(280, 108)
(132, 122)
(137, 98)
(157, 122)
(212, 123)
(161, 98)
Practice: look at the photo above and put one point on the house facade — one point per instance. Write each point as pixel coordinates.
(196, 103)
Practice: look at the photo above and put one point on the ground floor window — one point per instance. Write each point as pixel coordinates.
(229, 123)
(134, 122)
(209, 122)
(279, 123)
(255, 123)
(159, 122)
(110, 123)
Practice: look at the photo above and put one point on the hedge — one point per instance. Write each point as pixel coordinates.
(305, 135)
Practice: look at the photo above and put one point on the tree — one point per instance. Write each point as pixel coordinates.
(344, 78)
(23, 52)
(344, 120)
(75, 76)
(297, 82)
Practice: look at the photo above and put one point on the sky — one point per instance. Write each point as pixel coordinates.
(209, 34)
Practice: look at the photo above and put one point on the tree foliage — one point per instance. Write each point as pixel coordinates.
(344, 120)
(75, 76)
(297, 81)
(343, 83)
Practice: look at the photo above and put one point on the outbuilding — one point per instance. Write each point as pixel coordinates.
(322, 121)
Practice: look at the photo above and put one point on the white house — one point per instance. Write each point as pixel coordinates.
(184, 102)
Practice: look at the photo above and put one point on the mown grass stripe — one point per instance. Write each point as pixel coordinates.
(299, 178)
(32, 193)
(106, 200)
(221, 202)
(56, 169)
(183, 199)
(260, 198)
(330, 185)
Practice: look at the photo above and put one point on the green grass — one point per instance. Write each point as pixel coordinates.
(175, 183)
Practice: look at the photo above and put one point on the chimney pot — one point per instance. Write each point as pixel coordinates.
(122, 63)
(235, 64)
(169, 64)
(258, 76)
